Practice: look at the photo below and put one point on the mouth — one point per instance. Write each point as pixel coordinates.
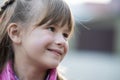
(55, 51)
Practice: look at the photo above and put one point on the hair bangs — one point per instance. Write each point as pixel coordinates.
(58, 12)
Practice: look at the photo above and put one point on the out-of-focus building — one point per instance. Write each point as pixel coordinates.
(97, 26)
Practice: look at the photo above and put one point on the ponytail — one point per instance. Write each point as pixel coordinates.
(4, 51)
(5, 42)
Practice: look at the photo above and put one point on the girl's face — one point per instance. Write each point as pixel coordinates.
(46, 45)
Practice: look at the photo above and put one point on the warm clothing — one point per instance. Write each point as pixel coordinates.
(8, 73)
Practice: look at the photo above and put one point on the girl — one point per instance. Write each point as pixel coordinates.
(33, 38)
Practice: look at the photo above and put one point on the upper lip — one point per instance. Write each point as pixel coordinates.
(56, 50)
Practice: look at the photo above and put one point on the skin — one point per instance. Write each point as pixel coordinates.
(35, 49)
(35, 46)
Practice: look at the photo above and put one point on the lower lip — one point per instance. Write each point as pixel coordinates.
(54, 52)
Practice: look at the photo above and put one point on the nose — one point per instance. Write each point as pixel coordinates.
(60, 40)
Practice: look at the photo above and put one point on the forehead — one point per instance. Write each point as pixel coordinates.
(55, 11)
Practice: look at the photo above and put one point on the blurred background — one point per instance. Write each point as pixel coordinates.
(95, 45)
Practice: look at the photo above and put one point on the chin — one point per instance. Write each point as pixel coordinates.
(53, 65)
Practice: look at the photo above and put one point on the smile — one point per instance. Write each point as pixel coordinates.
(55, 51)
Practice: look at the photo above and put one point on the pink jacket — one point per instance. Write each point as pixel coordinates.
(8, 74)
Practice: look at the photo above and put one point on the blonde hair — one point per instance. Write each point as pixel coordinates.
(21, 11)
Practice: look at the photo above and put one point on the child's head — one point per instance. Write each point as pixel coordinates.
(35, 30)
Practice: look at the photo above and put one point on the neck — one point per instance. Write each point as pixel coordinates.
(25, 71)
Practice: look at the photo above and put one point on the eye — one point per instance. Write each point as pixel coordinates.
(65, 35)
(51, 29)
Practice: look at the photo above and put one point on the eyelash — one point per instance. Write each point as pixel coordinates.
(53, 30)
(65, 35)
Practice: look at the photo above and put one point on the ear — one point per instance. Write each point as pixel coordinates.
(14, 33)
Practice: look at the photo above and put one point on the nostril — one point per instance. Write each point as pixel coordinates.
(60, 45)
(49, 49)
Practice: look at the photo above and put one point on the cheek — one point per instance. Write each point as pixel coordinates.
(39, 43)
(66, 48)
